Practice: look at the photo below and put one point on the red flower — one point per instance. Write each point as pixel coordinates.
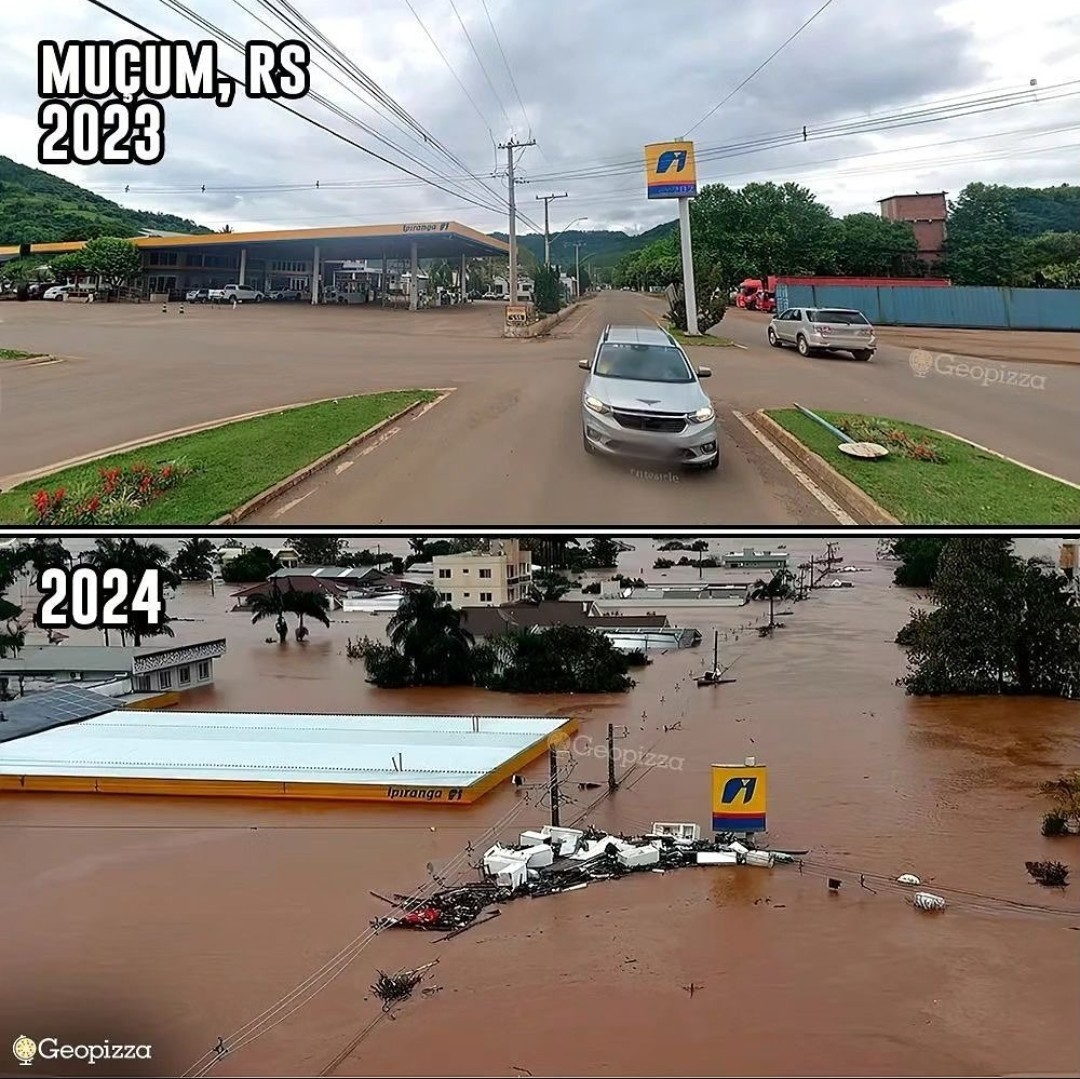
(93, 505)
(41, 501)
(166, 472)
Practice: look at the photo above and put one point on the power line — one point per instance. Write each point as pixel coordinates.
(483, 66)
(772, 56)
(509, 70)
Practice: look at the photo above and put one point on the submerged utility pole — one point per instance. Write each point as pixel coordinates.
(510, 147)
(611, 782)
(546, 200)
(553, 767)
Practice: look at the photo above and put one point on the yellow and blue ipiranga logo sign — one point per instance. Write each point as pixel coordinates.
(670, 170)
(739, 798)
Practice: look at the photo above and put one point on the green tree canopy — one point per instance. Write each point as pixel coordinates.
(114, 259)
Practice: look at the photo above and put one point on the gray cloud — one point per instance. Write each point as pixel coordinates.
(597, 80)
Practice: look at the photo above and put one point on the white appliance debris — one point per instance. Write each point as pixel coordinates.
(928, 901)
(908, 878)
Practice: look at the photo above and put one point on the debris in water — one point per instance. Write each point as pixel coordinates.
(928, 901)
(391, 989)
(834, 885)
(908, 878)
(1049, 874)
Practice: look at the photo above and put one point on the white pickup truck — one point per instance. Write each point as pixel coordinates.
(237, 293)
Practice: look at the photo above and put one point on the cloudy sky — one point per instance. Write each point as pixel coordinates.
(591, 81)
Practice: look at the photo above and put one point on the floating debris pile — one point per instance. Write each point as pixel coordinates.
(555, 860)
(391, 989)
(1049, 874)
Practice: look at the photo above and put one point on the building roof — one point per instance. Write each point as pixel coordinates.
(53, 708)
(281, 748)
(334, 572)
(45, 660)
(437, 239)
(914, 195)
(491, 621)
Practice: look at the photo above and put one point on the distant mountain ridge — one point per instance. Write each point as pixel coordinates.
(605, 246)
(37, 207)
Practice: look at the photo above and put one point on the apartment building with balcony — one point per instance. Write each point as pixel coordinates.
(489, 577)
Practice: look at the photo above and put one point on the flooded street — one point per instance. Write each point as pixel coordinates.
(178, 921)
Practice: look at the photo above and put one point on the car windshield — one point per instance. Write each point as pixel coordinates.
(644, 363)
(832, 317)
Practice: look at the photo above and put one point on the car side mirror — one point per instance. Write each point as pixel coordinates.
(704, 372)
(584, 364)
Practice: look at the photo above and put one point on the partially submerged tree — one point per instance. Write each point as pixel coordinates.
(270, 604)
(1064, 795)
(314, 605)
(135, 558)
(195, 560)
(780, 586)
(918, 557)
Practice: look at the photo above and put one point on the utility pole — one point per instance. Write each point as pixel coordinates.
(510, 147)
(553, 767)
(546, 200)
(612, 784)
(577, 266)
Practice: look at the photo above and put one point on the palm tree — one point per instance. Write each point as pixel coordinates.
(270, 605)
(195, 560)
(429, 635)
(778, 586)
(135, 558)
(313, 604)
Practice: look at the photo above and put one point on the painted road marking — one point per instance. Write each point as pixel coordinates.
(797, 473)
(293, 504)
(585, 314)
(1012, 460)
(344, 465)
(376, 443)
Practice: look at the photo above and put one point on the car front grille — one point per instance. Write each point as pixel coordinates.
(667, 422)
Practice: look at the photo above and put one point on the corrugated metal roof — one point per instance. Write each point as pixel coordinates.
(299, 748)
(43, 711)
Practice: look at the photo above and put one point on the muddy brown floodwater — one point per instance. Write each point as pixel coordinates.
(179, 921)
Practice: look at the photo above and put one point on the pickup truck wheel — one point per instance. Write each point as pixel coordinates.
(773, 339)
(258, 299)
(863, 353)
(804, 348)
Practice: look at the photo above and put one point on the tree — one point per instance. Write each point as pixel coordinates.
(24, 270)
(270, 604)
(117, 261)
(70, 266)
(1001, 625)
(12, 634)
(1049, 260)
(918, 557)
(41, 553)
(1064, 794)
(319, 550)
(194, 561)
(254, 565)
(603, 552)
(780, 586)
(310, 604)
(547, 290)
(135, 558)
(548, 585)
(981, 248)
(873, 246)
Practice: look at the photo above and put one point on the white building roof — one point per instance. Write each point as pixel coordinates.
(297, 748)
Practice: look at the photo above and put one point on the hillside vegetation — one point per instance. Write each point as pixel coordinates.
(36, 207)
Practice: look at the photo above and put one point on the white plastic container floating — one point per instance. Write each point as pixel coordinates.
(565, 840)
(538, 856)
(595, 847)
(531, 839)
(637, 857)
(928, 901)
(498, 858)
(686, 831)
(780, 857)
(717, 857)
(739, 848)
(763, 858)
(513, 876)
(908, 878)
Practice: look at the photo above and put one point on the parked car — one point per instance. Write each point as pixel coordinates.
(824, 329)
(237, 293)
(197, 295)
(280, 294)
(57, 292)
(643, 398)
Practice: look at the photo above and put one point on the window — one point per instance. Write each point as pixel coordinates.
(466, 595)
(485, 597)
(485, 575)
(643, 363)
(836, 317)
(465, 569)
(204, 670)
(184, 676)
(445, 597)
(444, 574)
(142, 683)
(164, 679)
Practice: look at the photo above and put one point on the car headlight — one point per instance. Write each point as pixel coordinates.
(594, 404)
(702, 415)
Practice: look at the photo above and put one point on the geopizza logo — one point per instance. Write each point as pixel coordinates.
(442, 226)
(424, 794)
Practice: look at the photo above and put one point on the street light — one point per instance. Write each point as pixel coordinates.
(548, 243)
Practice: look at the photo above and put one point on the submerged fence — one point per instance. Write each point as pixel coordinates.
(977, 308)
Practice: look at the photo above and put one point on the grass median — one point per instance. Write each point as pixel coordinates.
(17, 354)
(705, 340)
(230, 464)
(932, 479)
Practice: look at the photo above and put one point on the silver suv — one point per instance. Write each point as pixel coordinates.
(823, 329)
(643, 398)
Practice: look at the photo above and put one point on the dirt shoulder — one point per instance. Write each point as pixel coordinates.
(1006, 346)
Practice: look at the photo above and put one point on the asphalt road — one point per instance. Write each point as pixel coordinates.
(505, 447)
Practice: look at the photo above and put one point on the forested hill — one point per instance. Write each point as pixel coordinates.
(1036, 210)
(606, 247)
(36, 207)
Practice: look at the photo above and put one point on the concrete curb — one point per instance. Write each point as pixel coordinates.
(7, 482)
(538, 329)
(853, 498)
(264, 497)
(30, 361)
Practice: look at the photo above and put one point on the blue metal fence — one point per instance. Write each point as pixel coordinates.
(961, 307)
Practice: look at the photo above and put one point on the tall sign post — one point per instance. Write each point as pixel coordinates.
(671, 173)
